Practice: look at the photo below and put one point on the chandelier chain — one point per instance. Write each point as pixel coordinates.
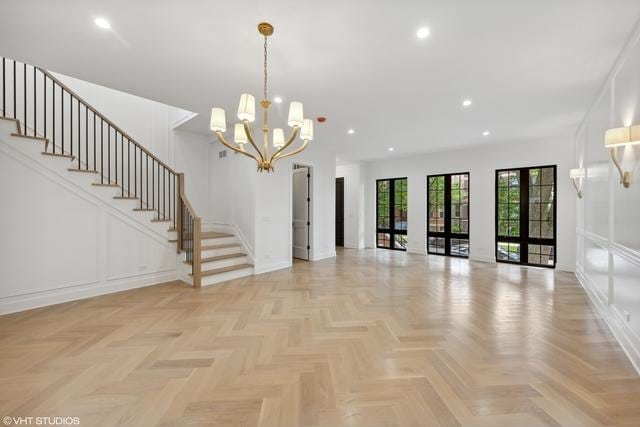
(265, 68)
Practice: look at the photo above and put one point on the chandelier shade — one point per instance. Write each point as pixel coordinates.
(242, 133)
(239, 135)
(278, 138)
(218, 120)
(306, 134)
(247, 108)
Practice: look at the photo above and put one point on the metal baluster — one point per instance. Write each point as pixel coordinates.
(140, 179)
(153, 183)
(4, 96)
(53, 107)
(135, 171)
(79, 145)
(44, 85)
(86, 138)
(108, 153)
(95, 152)
(128, 168)
(147, 170)
(71, 122)
(62, 116)
(24, 101)
(14, 90)
(101, 150)
(35, 120)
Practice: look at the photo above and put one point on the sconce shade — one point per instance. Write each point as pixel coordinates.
(306, 134)
(296, 115)
(247, 107)
(577, 173)
(218, 120)
(239, 135)
(622, 136)
(278, 137)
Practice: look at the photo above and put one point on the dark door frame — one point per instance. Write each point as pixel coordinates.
(523, 239)
(391, 230)
(447, 234)
(340, 208)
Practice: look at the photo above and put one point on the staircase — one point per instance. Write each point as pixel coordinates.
(73, 135)
(222, 258)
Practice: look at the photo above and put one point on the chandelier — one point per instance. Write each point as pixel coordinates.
(246, 114)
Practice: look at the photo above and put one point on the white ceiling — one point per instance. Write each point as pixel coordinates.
(531, 67)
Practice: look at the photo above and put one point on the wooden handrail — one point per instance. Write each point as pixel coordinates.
(196, 268)
(96, 112)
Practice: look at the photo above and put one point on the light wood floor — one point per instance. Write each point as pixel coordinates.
(372, 338)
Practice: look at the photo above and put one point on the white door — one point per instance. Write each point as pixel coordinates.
(301, 213)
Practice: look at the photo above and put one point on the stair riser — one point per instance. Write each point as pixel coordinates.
(223, 277)
(206, 266)
(219, 241)
(222, 251)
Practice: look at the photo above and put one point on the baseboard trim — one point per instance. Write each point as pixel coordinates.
(613, 319)
(326, 255)
(18, 303)
(260, 269)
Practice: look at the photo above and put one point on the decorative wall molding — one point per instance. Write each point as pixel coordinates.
(30, 301)
(614, 320)
(100, 278)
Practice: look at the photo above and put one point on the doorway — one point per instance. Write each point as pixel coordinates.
(339, 211)
(448, 214)
(391, 213)
(301, 211)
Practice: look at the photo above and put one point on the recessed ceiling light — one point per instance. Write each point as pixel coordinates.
(102, 23)
(351, 131)
(486, 133)
(466, 103)
(277, 100)
(423, 33)
(390, 148)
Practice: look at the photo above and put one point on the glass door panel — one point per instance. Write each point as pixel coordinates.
(448, 214)
(391, 213)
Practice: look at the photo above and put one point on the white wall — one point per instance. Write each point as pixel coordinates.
(191, 156)
(354, 183)
(608, 225)
(481, 163)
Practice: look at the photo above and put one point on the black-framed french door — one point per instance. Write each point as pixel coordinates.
(391, 213)
(448, 214)
(526, 216)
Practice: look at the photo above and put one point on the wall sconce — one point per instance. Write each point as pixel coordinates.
(575, 175)
(617, 137)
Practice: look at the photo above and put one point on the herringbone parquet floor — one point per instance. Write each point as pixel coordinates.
(372, 338)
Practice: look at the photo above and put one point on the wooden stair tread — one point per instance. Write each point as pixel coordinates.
(37, 138)
(214, 235)
(144, 210)
(81, 170)
(125, 198)
(227, 245)
(66, 156)
(222, 257)
(225, 269)
(99, 184)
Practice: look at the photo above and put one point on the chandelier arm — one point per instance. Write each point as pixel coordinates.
(292, 138)
(292, 153)
(247, 130)
(230, 146)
